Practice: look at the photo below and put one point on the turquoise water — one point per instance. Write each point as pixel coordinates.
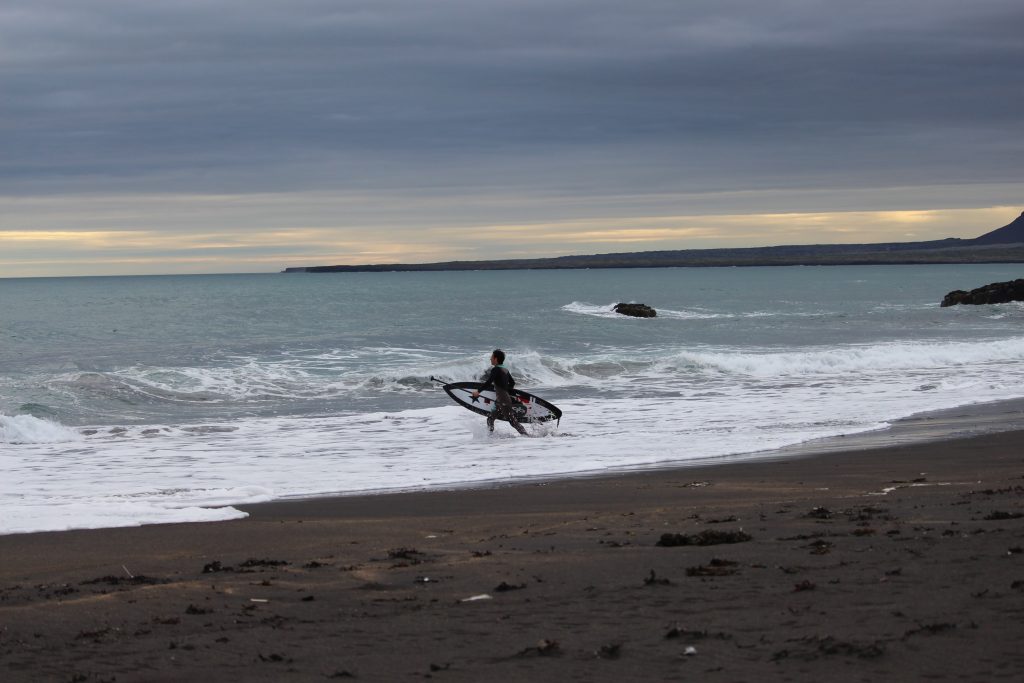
(301, 384)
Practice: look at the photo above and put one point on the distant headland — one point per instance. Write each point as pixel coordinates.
(1004, 245)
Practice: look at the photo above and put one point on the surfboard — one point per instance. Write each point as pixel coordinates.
(527, 407)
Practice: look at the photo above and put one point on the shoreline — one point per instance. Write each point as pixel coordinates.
(974, 419)
(927, 427)
(861, 564)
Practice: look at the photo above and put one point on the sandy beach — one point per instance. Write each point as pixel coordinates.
(893, 564)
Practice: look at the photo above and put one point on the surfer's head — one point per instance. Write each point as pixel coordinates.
(498, 357)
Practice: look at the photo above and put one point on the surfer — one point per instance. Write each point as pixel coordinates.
(500, 380)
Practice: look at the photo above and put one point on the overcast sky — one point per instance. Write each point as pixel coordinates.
(164, 136)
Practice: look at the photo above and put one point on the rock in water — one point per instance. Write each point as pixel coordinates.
(995, 293)
(636, 310)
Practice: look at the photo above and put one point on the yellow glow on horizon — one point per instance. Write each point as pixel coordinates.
(81, 236)
(224, 233)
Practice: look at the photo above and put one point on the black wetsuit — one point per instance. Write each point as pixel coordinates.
(500, 380)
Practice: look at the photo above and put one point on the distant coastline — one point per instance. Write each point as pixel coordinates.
(1004, 245)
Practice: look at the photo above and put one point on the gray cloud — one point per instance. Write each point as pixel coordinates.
(588, 96)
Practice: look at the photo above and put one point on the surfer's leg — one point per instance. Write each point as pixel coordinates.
(505, 411)
(515, 423)
(490, 422)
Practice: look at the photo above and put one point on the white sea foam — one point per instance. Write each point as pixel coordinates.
(26, 429)
(603, 369)
(106, 478)
(297, 375)
(871, 358)
(61, 515)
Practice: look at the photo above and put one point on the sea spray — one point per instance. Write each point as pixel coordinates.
(26, 429)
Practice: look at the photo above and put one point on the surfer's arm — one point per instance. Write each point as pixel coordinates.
(489, 384)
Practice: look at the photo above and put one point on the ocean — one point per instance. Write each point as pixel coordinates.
(139, 400)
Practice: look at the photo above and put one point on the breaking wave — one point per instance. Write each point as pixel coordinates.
(26, 429)
(906, 356)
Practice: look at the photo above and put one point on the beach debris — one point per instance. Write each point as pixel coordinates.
(1015, 550)
(930, 629)
(503, 587)
(816, 647)
(819, 513)
(308, 598)
(424, 579)
(610, 651)
(679, 632)
(1017, 585)
(690, 651)
(707, 537)
(373, 586)
(410, 556)
(139, 580)
(342, 673)
(655, 580)
(477, 598)
(275, 658)
(192, 609)
(805, 585)
(1000, 515)
(434, 668)
(866, 513)
(58, 591)
(724, 520)
(695, 485)
(820, 547)
(258, 600)
(544, 648)
(481, 553)
(992, 492)
(94, 636)
(314, 564)
(254, 562)
(216, 566)
(716, 567)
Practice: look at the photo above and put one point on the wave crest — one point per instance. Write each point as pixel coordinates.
(897, 356)
(26, 429)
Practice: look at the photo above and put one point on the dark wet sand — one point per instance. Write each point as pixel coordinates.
(898, 564)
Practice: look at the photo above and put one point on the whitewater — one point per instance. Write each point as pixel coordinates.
(127, 401)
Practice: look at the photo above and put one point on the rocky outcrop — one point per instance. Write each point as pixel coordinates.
(636, 310)
(995, 293)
